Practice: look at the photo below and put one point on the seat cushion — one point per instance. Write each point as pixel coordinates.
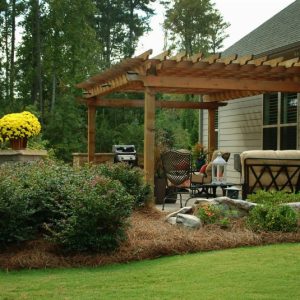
(203, 169)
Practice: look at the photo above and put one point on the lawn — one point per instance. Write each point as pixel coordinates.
(268, 272)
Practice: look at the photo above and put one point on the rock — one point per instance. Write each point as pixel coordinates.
(188, 221)
(236, 203)
(172, 220)
(294, 205)
(184, 210)
(201, 201)
(241, 206)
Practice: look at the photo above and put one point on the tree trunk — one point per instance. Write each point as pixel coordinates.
(37, 91)
(7, 60)
(53, 98)
(12, 54)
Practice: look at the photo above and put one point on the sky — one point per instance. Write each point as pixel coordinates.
(243, 16)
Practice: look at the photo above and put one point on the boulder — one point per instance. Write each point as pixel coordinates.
(172, 220)
(188, 221)
(294, 205)
(241, 206)
(184, 218)
(183, 210)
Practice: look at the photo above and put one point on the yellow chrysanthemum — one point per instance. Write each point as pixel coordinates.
(16, 125)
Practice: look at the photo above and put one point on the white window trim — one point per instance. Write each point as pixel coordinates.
(279, 125)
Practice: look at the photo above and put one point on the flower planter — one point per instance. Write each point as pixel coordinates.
(17, 128)
(18, 144)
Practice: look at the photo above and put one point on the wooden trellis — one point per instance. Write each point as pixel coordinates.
(216, 78)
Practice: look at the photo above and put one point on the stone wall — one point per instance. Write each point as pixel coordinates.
(21, 155)
(81, 158)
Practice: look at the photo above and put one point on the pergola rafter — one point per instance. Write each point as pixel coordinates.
(215, 77)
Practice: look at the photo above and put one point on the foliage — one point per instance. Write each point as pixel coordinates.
(95, 219)
(217, 214)
(199, 151)
(66, 135)
(15, 213)
(194, 26)
(132, 178)
(80, 208)
(273, 197)
(209, 214)
(38, 189)
(270, 217)
(119, 24)
(19, 125)
(50, 59)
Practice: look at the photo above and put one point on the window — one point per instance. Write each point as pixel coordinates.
(280, 121)
(217, 128)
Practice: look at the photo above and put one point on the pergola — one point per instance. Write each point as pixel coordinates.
(216, 78)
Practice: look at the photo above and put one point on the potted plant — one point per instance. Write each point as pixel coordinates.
(199, 155)
(18, 127)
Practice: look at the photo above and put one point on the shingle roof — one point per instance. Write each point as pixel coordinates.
(280, 31)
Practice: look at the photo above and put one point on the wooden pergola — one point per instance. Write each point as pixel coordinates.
(216, 78)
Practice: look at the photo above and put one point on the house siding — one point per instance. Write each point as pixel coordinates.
(298, 123)
(240, 129)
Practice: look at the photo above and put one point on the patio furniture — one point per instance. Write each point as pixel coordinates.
(177, 170)
(270, 170)
(200, 181)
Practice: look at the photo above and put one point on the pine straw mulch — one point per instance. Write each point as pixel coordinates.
(149, 236)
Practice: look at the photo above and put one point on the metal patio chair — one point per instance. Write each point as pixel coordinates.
(177, 170)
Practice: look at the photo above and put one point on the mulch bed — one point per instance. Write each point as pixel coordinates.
(149, 236)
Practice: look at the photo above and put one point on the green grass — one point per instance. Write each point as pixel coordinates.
(270, 272)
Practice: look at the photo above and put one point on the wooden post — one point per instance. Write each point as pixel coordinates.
(211, 132)
(149, 136)
(91, 132)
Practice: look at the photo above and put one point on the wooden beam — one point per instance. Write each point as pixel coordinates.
(91, 132)
(145, 55)
(196, 57)
(273, 62)
(179, 56)
(212, 58)
(227, 59)
(162, 56)
(149, 136)
(211, 132)
(139, 103)
(229, 95)
(240, 84)
(188, 105)
(243, 59)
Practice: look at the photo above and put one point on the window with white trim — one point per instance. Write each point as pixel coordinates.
(280, 121)
(217, 128)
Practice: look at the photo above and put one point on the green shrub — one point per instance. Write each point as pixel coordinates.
(81, 209)
(131, 178)
(272, 218)
(217, 214)
(15, 214)
(31, 194)
(273, 197)
(96, 218)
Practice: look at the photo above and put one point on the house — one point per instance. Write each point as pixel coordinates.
(265, 121)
